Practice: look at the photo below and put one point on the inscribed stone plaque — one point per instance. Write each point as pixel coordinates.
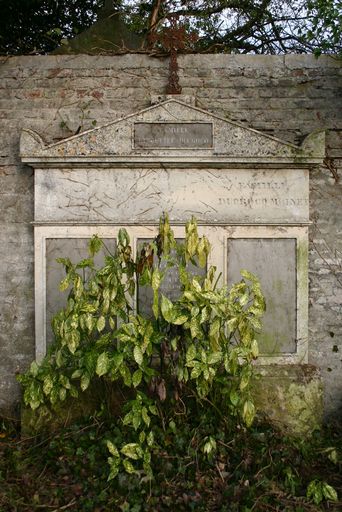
(141, 195)
(273, 261)
(170, 286)
(75, 249)
(173, 135)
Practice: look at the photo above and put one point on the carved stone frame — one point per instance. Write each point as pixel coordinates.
(110, 149)
(217, 235)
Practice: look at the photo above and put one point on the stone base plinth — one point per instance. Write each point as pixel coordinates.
(290, 397)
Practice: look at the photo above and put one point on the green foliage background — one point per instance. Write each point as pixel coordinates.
(192, 358)
(179, 432)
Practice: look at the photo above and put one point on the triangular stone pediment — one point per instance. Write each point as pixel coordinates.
(171, 132)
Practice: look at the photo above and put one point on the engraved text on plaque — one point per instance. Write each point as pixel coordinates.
(173, 135)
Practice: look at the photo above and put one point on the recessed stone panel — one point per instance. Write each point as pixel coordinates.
(273, 261)
(173, 135)
(75, 249)
(170, 287)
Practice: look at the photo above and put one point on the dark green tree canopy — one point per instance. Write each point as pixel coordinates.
(241, 26)
(37, 26)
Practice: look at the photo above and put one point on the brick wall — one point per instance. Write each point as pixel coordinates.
(285, 96)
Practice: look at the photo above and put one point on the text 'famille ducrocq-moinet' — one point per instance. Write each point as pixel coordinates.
(173, 135)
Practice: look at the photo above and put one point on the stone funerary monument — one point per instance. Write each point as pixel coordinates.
(248, 191)
(217, 152)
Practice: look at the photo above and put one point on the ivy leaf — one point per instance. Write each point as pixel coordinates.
(136, 421)
(73, 340)
(244, 382)
(128, 466)
(150, 438)
(85, 381)
(136, 377)
(101, 323)
(191, 245)
(255, 349)
(95, 245)
(34, 368)
(63, 379)
(62, 394)
(89, 321)
(215, 328)
(191, 353)
(73, 391)
(114, 467)
(214, 357)
(195, 327)
(103, 364)
(59, 358)
(128, 418)
(180, 320)
(189, 296)
(155, 306)
(255, 322)
(156, 279)
(64, 284)
(166, 308)
(76, 374)
(196, 371)
(248, 275)
(314, 491)
(248, 412)
(205, 315)
(47, 384)
(138, 355)
(202, 252)
(126, 375)
(232, 324)
(123, 237)
(145, 416)
(244, 299)
(85, 263)
(130, 450)
(153, 409)
(329, 492)
(234, 397)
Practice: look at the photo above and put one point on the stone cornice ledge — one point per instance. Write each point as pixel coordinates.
(170, 162)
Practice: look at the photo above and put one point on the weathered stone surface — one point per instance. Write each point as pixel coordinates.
(270, 187)
(212, 195)
(76, 249)
(48, 418)
(115, 143)
(170, 285)
(291, 397)
(274, 262)
(284, 96)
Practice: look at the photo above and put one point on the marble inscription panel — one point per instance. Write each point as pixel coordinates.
(273, 261)
(141, 195)
(173, 135)
(76, 249)
(170, 286)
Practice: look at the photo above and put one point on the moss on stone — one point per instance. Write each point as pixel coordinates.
(291, 397)
(101, 396)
